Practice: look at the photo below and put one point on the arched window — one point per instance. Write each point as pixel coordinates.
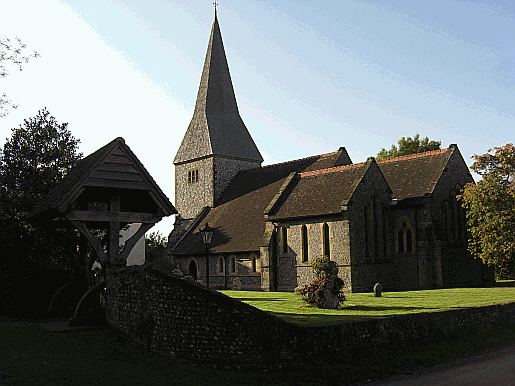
(304, 243)
(221, 265)
(454, 219)
(400, 241)
(326, 247)
(253, 262)
(409, 241)
(366, 223)
(375, 229)
(284, 240)
(405, 238)
(447, 220)
(233, 264)
(385, 254)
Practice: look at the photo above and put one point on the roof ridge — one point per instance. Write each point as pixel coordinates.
(414, 155)
(293, 161)
(331, 170)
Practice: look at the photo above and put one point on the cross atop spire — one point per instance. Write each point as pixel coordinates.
(215, 3)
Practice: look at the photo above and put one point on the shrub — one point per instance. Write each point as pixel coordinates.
(326, 271)
(324, 267)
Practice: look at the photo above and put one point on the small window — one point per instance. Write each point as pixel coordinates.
(221, 265)
(304, 241)
(326, 242)
(192, 176)
(400, 241)
(254, 264)
(409, 241)
(284, 239)
(233, 264)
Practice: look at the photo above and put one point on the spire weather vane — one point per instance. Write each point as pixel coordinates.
(215, 3)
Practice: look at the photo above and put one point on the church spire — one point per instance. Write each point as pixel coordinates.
(216, 128)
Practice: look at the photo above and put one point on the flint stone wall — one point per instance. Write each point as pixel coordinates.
(191, 324)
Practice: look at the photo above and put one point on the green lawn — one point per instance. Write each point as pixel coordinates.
(292, 308)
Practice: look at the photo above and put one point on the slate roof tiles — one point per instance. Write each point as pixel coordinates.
(318, 187)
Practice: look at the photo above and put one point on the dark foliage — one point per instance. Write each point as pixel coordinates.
(37, 156)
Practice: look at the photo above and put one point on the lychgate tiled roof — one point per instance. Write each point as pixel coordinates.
(416, 174)
(216, 127)
(239, 219)
(112, 166)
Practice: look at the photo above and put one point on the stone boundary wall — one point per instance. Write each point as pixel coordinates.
(191, 324)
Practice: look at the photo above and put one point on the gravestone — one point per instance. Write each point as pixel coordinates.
(378, 290)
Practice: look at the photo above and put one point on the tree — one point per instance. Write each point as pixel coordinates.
(155, 244)
(11, 52)
(409, 146)
(36, 156)
(490, 208)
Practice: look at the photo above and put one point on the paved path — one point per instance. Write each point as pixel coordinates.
(495, 368)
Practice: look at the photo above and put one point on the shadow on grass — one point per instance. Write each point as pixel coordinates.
(505, 283)
(345, 314)
(381, 308)
(260, 300)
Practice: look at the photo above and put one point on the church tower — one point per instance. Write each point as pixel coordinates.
(217, 144)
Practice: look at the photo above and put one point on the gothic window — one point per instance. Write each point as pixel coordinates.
(304, 243)
(400, 241)
(405, 238)
(447, 220)
(221, 265)
(409, 241)
(192, 176)
(326, 242)
(284, 240)
(253, 263)
(233, 264)
(384, 233)
(375, 229)
(454, 218)
(366, 223)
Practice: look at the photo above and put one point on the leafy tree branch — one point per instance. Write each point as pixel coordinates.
(11, 52)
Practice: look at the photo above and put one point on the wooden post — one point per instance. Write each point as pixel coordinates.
(114, 228)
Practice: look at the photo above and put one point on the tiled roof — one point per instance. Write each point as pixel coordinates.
(239, 219)
(99, 169)
(216, 127)
(414, 175)
(318, 188)
(320, 192)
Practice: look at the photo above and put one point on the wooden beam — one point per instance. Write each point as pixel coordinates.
(130, 217)
(95, 243)
(114, 226)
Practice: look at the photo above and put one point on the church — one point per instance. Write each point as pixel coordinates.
(396, 221)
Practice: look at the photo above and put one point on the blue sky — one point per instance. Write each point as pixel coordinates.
(309, 76)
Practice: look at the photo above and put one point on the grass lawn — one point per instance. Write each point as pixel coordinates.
(292, 308)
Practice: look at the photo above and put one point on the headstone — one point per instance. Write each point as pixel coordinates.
(378, 290)
(331, 300)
